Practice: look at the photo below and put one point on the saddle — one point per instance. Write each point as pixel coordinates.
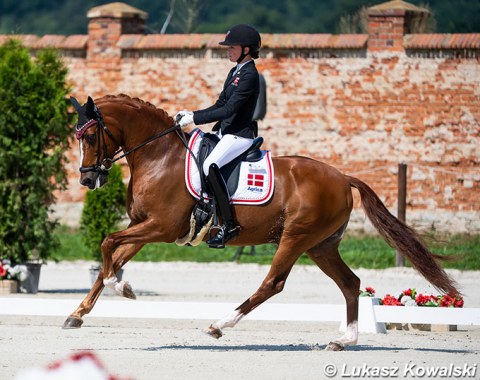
(231, 171)
(203, 217)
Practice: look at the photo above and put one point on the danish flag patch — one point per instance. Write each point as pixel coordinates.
(255, 180)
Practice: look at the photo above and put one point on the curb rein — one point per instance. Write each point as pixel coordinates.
(106, 164)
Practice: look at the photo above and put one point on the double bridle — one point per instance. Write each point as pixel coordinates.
(103, 166)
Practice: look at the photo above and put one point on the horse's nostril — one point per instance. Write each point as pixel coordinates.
(86, 182)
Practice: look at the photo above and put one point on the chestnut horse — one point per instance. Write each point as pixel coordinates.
(308, 212)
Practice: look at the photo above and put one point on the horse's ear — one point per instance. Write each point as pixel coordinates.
(75, 104)
(90, 106)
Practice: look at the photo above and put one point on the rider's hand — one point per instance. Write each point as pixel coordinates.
(184, 118)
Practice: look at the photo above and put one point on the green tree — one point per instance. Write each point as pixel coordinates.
(102, 211)
(34, 135)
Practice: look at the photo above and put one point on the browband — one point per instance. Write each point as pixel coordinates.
(79, 131)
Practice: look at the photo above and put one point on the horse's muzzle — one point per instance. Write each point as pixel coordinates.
(93, 180)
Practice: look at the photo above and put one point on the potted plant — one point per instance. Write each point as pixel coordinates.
(10, 277)
(34, 135)
(103, 209)
(410, 298)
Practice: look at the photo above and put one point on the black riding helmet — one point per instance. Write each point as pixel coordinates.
(244, 35)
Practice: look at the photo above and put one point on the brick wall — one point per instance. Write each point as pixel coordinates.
(362, 103)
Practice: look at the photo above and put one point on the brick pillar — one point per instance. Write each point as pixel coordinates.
(387, 24)
(107, 23)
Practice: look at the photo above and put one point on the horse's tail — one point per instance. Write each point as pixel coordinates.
(404, 239)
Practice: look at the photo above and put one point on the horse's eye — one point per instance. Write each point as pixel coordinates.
(90, 139)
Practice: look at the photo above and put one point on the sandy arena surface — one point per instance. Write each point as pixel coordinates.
(164, 349)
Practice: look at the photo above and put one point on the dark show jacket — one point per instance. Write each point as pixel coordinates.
(235, 106)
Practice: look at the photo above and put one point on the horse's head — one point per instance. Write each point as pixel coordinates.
(97, 144)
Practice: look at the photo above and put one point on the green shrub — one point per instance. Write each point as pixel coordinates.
(34, 134)
(102, 212)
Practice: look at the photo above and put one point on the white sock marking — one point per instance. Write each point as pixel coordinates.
(230, 320)
(351, 335)
(110, 282)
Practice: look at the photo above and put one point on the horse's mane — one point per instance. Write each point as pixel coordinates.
(139, 103)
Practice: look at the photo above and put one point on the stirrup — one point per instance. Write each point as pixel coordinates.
(222, 236)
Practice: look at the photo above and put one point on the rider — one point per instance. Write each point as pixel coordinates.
(233, 112)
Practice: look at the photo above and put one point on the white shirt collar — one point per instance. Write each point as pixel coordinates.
(240, 65)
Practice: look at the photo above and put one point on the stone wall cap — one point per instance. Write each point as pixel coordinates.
(442, 41)
(398, 5)
(269, 41)
(116, 10)
(55, 41)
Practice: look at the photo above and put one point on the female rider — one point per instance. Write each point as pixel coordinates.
(233, 112)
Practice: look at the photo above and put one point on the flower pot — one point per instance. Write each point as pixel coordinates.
(30, 284)
(421, 327)
(95, 270)
(8, 286)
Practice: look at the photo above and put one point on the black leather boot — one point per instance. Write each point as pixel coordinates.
(229, 229)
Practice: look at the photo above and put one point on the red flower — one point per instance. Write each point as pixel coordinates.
(389, 300)
(408, 292)
(425, 300)
(458, 302)
(446, 301)
(3, 271)
(370, 290)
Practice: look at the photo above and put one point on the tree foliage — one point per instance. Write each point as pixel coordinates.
(102, 211)
(269, 16)
(34, 131)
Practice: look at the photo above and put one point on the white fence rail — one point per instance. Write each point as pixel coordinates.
(372, 317)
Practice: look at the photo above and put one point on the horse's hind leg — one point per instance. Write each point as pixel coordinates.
(285, 257)
(328, 259)
(121, 256)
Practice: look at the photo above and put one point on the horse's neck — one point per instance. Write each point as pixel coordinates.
(164, 150)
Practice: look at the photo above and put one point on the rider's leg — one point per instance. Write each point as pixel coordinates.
(228, 148)
(229, 229)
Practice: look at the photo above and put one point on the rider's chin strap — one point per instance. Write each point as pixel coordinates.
(242, 56)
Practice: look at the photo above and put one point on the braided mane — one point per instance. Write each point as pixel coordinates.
(139, 103)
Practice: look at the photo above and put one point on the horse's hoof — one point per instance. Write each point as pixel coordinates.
(335, 346)
(128, 291)
(72, 323)
(214, 332)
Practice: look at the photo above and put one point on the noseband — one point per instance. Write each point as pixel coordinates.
(103, 166)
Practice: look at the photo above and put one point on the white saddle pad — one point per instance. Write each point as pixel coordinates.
(255, 183)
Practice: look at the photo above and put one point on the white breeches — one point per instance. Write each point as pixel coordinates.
(228, 148)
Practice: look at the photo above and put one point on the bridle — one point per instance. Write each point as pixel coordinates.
(103, 166)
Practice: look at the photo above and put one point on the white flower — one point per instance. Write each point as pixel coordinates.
(23, 272)
(405, 299)
(409, 302)
(15, 271)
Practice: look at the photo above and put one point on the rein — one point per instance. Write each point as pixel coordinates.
(102, 168)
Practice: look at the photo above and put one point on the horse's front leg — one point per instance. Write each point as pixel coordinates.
(126, 244)
(122, 255)
(112, 266)
(142, 233)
